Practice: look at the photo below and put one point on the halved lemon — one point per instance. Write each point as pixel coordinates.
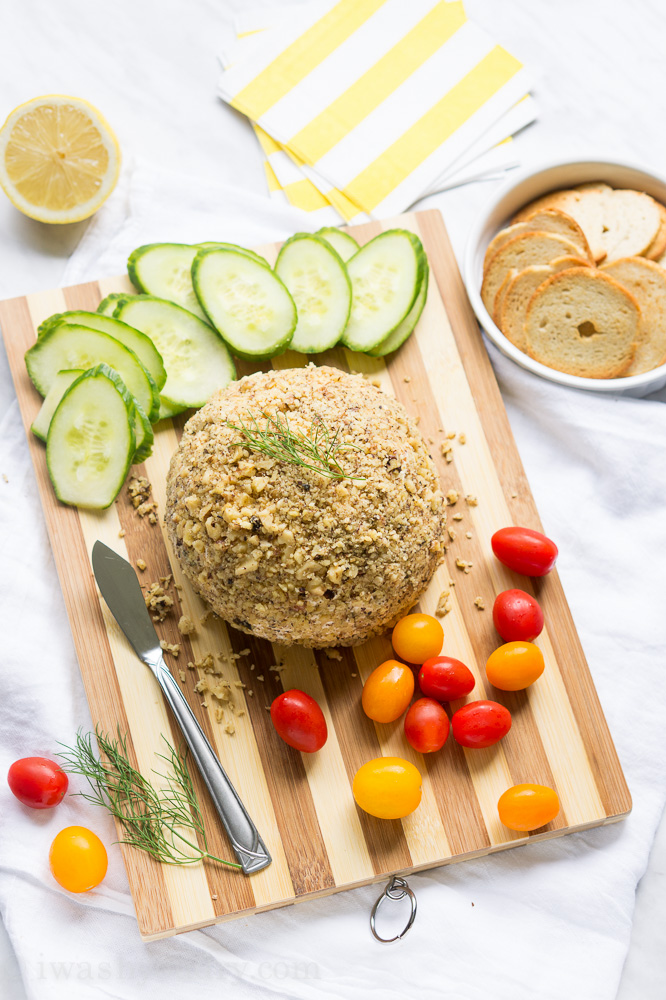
(59, 159)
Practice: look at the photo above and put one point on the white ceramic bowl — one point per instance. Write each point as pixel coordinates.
(523, 187)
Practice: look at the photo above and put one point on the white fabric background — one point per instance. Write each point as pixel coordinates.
(549, 920)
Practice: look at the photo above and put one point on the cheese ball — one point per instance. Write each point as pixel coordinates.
(279, 549)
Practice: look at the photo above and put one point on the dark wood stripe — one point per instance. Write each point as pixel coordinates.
(86, 296)
(358, 743)
(283, 767)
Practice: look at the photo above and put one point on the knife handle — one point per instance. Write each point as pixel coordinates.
(245, 840)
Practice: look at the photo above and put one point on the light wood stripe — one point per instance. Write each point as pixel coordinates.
(302, 56)
(379, 82)
(559, 735)
(387, 171)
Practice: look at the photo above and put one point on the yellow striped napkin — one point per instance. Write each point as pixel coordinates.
(374, 99)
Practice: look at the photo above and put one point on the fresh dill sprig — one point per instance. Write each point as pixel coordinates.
(154, 820)
(318, 450)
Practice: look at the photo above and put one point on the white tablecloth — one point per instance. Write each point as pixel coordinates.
(550, 920)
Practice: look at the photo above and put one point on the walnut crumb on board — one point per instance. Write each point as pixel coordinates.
(464, 565)
(513, 496)
(139, 490)
(480, 603)
(451, 533)
(451, 435)
(158, 602)
(452, 497)
(445, 448)
(457, 517)
(462, 439)
(170, 647)
(141, 564)
(182, 676)
(186, 626)
(407, 378)
(332, 654)
(443, 607)
(449, 456)
(260, 677)
(471, 500)
(468, 534)
(122, 533)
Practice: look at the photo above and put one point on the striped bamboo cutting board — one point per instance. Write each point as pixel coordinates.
(302, 804)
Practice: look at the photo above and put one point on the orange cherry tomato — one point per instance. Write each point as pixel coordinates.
(388, 691)
(515, 666)
(418, 637)
(78, 859)
(387, 787)
(527, 807)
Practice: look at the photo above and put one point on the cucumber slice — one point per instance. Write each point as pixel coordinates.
(233, 246)
(143, 430)
(109, 303)
(71, 346)
(61, 383)
(319, 285)
(245, 301)
(386, 275)
(196, 359)
(142, 346)
(344, 244)
(143, 433)
(164, 270)
(169, 409)
(406, 328)
(91, 440)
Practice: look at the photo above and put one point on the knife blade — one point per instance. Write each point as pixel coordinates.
(120, 588)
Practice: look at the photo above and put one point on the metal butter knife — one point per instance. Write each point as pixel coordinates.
(120, 589)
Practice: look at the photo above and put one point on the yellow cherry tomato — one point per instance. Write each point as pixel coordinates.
(527, 807)
(515, 666)
(78, 859)
(418, 637)
(387, 787)
(388, 691)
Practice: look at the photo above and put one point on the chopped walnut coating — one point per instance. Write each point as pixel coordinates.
(281, 551)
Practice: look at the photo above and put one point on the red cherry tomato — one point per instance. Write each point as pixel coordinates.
(445, 679)
(426, 725)
(299, 721)
(37, 782)
(517, 616)
(524, 550)
(480, 724)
